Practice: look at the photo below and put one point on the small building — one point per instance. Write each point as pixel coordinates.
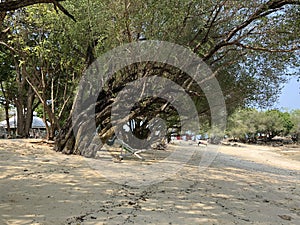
(38, 127)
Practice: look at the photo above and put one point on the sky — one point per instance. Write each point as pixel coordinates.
(290, 97)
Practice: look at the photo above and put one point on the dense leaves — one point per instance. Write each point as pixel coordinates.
(250, 124)
(250, 45)
(295, 131)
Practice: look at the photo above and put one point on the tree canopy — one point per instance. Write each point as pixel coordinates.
(251, 124)
(250, 46)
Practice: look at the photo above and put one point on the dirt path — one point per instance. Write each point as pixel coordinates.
(246, 185)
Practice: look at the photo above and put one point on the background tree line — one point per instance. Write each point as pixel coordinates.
(250, 125)
(251, 46)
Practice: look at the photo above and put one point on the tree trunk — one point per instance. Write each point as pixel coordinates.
(29, 111)
(80, 141)
(82, 135)
(65, 140)
(54, 124)
(6, 106)
(24, 113)
(68, 140)
(20, 120)
(85, 138)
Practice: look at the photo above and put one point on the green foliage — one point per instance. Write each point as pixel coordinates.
(270, 123)
(2, 113)
(241, 123)
(7, 77)
(54, 51)
(42, 51)
(288, 124)
(251, 123)
(295, 119)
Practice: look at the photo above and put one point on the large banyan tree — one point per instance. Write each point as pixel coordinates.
(250, 47)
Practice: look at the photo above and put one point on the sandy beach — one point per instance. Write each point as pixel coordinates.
(242, 185)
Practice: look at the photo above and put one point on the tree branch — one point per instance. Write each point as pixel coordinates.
(264, 10)
(61, 8)
(8, 47)
(14, 5)
(256, 48)
(211, 23)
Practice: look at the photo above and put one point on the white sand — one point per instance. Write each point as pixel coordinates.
(243, 185)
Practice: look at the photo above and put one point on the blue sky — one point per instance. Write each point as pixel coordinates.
(290, 97)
